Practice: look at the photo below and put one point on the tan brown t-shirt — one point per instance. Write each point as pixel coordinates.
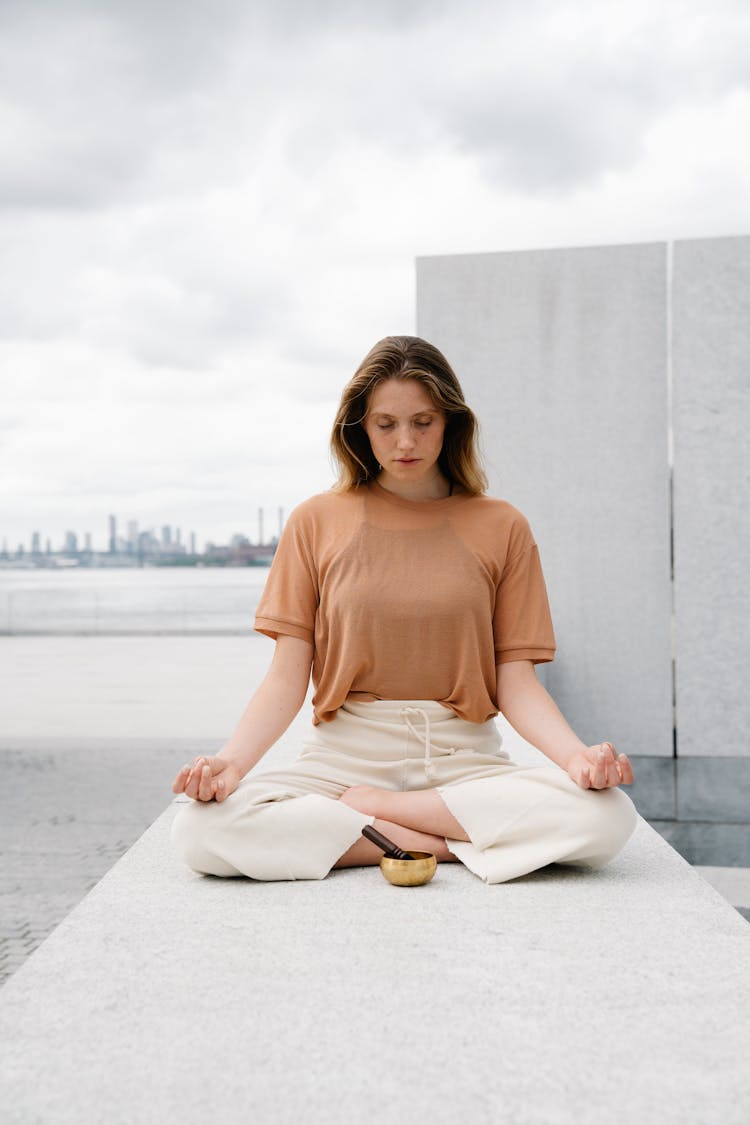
(408, 599)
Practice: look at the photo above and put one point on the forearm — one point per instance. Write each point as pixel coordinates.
(272, 707)
(532, 711)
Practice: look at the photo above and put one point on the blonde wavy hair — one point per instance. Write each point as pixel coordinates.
(406, 357)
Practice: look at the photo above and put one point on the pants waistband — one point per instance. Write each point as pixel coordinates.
(417, 717)
(391, 710)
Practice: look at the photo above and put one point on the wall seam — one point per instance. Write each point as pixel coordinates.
(669, 279)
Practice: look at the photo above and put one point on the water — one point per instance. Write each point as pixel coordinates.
(190, 600)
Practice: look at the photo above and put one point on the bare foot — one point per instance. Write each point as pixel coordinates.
(363, 853)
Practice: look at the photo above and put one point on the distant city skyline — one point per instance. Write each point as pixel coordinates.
(164, 536)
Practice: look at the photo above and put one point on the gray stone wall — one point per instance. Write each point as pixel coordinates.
(711, 362)
(588, 368)
(562, 353)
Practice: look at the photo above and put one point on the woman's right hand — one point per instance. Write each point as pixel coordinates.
(208, 779)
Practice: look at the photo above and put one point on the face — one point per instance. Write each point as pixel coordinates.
(406, 430)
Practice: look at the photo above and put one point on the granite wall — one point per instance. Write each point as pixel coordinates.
(613, 388)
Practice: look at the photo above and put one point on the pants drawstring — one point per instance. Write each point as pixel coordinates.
(429, 768)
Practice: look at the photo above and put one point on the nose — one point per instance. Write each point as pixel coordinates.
(405, 438)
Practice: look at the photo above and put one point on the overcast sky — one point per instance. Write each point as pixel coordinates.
(210, 211)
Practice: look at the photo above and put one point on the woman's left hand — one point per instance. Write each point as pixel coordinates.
(208, 779)
(598, 767)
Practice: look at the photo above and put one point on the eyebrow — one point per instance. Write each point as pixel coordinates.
(419, 413)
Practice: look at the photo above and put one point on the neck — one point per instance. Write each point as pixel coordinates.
(434, 488)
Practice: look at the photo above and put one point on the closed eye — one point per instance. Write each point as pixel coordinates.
(420, 425)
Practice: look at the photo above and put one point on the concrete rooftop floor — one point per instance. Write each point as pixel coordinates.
(92, 731)
(619, 996)
(614, 996)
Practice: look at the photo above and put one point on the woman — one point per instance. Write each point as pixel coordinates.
(419, 604)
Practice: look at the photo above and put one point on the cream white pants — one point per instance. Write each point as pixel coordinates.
(289, 824)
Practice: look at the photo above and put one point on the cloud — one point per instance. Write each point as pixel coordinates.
(127, 102)
(210, 211)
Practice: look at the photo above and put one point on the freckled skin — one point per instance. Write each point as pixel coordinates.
(406, 433)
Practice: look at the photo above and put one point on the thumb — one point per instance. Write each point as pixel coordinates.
(225, 786)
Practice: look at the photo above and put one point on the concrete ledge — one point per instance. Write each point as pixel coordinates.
(565, 996)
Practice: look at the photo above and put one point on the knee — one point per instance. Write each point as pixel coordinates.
(189, 837)
(609, 822)
(185, 834)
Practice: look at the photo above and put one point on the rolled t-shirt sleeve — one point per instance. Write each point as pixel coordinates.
(289, 601)
(522, 622)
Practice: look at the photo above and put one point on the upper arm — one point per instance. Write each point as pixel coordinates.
(292, 662)
(511, 676)
(289, 602)
(521, 623)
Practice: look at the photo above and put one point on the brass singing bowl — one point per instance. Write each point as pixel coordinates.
(409, 872)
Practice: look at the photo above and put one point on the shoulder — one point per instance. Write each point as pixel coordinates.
(496, 529)
(500, 515)
(325, 509)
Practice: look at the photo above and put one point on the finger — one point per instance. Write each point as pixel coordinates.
(216, 765)
(612, 762)
(599, 778)
(205, 788)
(178, 785)
(193, 781)
(612, 772)
(585, 779)
(209, 767)
(626, 769)
(608, 751)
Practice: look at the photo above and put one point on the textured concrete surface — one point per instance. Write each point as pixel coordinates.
(93, 730)
(562, 353)
(732, 883)
(68, 812)
(73, 801)
(66, 815)
(711, 328)
(617, 996)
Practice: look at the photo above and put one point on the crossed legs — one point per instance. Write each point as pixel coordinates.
(418, 819)
(520, 820)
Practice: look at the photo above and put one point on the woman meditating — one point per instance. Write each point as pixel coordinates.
(418, 603)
